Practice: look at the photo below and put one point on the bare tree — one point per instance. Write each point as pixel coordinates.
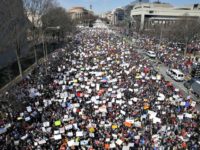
(13, 27)
(184, 30)
(34, 10)
(58, 17)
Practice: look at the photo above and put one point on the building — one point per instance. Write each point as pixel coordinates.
(117, 16)
(149, 14)
(121, 15)
(78, 13)
(108, 15)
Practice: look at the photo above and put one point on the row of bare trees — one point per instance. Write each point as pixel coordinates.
(34, 10)
(184, 30)
(30, 19)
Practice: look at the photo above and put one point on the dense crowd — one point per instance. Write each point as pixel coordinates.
(100, 94)
(171, 53)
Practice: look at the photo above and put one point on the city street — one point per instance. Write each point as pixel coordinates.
(99, 92)
(106, 81)
(162, 70)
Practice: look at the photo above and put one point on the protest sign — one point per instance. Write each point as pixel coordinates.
(119, 142)
(79, 133)
(57, 123)
(46, 124)
(29, 109)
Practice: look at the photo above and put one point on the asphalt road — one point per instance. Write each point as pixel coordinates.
(162, 70)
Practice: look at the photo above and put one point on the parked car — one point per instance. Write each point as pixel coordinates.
(175, 74)
(151, 54)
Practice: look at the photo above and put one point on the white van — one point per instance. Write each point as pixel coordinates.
(177, 75)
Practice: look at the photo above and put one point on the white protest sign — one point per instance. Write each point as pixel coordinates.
(156, 120)
(46, 124)
(135, 99)
(131, 90)
(125, 147)
(161, 97)
(182, 104)
(114, 136)
(79, 133)
(187, 115)
(76, 105)
(75, 125)
(71, 143)
(91, 134)
(138, 124)
(68, 127)
(122, 112)
(129, 120)
(84, 142)
(29, 109)
(97, 87)
(130, 102)
(109, 89)
(109, 104)
(119, 95)
(27, 118)
(180, 117)
(119, 141)
(107, 139)
(41, 142)
(137, 137)
(62, 130)
(57, 137)
(152, 114)
(43, 129)
(103, 109)
(70, 134)
(193, 104)
(24, 137)
(131, 144)
(119, 102)
(112, 145)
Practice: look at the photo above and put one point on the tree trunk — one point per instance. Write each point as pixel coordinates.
(35, 53)
(34, 48)
(46, 50)
(18, 60)
(45, 61)
(43, 46)
(17, 50)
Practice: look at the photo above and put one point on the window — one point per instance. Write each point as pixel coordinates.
(180, 75)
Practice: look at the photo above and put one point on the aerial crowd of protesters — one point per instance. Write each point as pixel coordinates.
(98, 93)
